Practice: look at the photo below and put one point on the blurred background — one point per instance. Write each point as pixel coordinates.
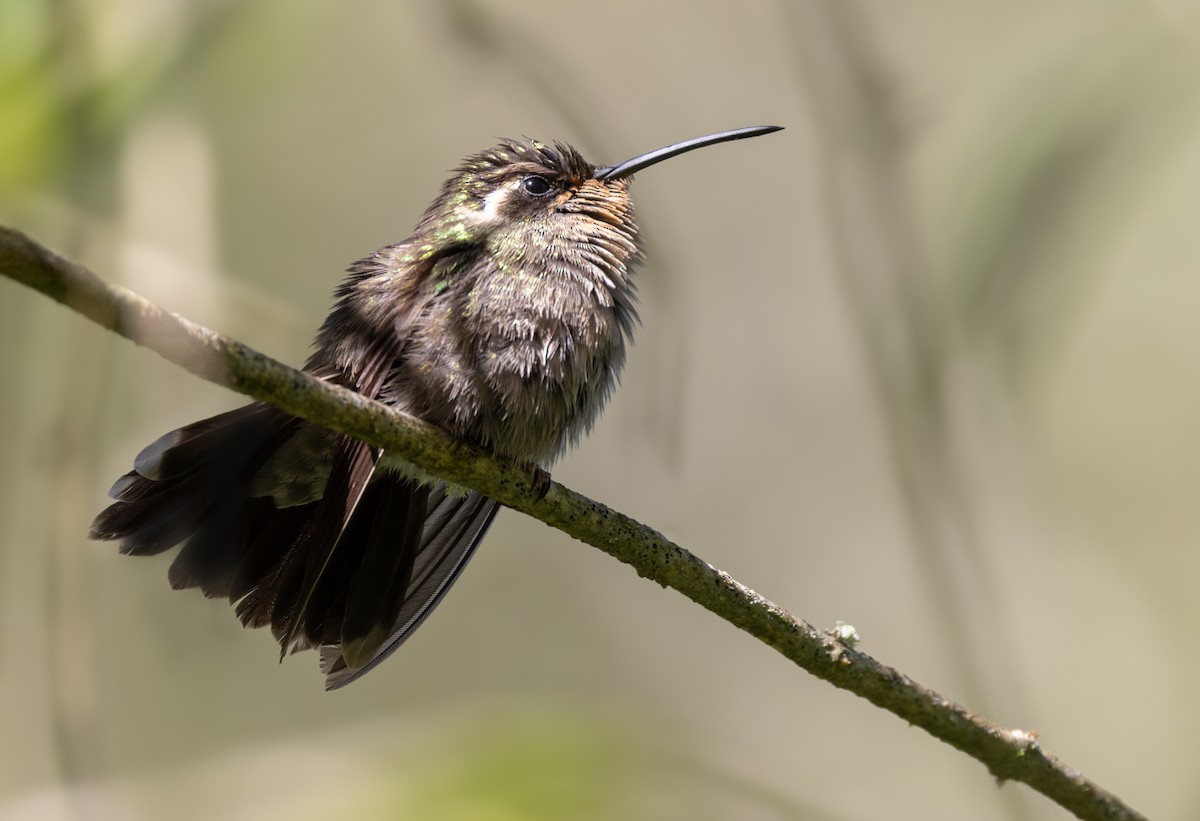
(925, 362)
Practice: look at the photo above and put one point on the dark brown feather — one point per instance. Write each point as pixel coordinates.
(379, 586)
(454, 525)
(168, 496)
(503, 319)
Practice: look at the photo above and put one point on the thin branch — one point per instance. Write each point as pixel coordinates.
(1008, 754)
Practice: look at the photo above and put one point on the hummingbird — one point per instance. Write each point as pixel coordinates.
(503, 318)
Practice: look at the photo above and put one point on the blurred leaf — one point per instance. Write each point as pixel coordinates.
(542, 767)
(28, 138)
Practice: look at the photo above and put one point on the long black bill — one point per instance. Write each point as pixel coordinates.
(616, 172)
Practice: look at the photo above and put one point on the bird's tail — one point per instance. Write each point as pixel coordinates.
(192, 485)
(295, 525)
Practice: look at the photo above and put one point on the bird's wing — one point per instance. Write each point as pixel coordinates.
(453, 526)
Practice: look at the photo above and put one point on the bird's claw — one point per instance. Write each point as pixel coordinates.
(540, 479)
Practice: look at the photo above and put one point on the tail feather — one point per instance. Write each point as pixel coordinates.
(268, 544)
(378, 589)
(454, 526)
(353, 572)
(304, 578)
(151, 517)
(220, 438)
(187, 475)
(212, 556)
(132, 487)
(256, 579)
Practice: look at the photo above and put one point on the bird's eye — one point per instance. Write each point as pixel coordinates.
(536, 186)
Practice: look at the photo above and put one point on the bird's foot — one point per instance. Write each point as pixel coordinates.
(540, 479)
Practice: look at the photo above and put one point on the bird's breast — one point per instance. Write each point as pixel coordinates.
(518, 364)
(548, 354)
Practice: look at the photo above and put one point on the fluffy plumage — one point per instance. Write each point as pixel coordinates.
(503, 318)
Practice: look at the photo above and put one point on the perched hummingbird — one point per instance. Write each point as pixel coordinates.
(503, 318)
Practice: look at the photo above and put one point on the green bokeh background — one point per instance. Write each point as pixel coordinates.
(927, 362)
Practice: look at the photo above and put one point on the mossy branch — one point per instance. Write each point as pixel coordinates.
(1009, 754)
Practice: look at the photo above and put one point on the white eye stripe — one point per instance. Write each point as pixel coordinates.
(493, 202)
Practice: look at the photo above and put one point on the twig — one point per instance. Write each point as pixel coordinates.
(1008, 754)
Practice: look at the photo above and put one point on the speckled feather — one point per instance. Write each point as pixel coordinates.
(503, 318)
(515, 321)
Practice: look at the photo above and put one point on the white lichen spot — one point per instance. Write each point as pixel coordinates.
(1024, 739)
(845, 633)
